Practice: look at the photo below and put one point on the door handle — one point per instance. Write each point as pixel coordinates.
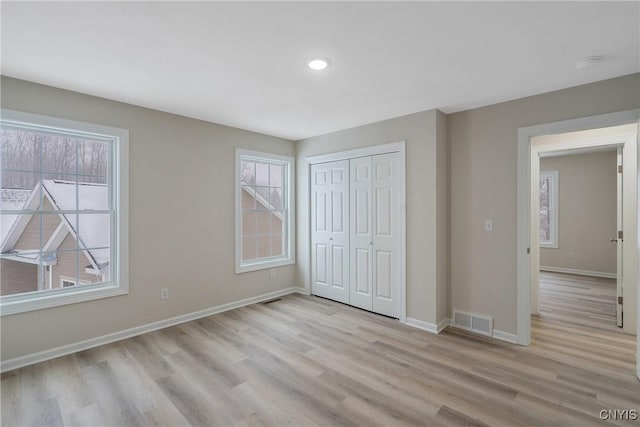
(613, 240)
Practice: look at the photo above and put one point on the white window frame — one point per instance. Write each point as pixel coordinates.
(553, 243)
(71, 280)
(117, 285)
(289, 205)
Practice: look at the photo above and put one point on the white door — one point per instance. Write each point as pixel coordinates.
(361, 244)
(330, 230)
(618, 240)
(386, 240)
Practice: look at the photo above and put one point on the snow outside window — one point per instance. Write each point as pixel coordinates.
(549, 209)
(63, 226)
(264, 222)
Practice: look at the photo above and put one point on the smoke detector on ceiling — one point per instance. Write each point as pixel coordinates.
(587, 62)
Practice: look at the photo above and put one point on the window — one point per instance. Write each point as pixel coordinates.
(63, 212)
(67, 282)
(264, 219)
(549, 209)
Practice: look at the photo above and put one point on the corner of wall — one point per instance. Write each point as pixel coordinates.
(442, 217)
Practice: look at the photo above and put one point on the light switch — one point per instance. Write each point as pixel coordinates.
(488, 225)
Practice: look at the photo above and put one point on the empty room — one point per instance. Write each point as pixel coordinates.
(319, 213)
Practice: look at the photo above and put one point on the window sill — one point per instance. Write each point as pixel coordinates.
(549, 245)
(22, 304)
(263, 265)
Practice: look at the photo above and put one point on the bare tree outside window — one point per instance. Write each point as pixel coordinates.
(548, 211)
(25, 155)
(545, 217)
(64, 179)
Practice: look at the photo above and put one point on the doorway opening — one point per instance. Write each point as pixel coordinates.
(528, 185)
(582, 201)
(533, 231)
(579, 215)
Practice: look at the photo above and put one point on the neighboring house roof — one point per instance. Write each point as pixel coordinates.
(92, 230)
(262, 200)
(11, 199)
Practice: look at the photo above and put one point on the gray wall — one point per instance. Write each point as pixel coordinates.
(176, 161)
(483, 150)
(586, 212)
(426, 210)
(181, 215)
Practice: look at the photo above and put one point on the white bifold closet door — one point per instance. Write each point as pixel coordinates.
(355, 232)
(330, 230)
(375, 244)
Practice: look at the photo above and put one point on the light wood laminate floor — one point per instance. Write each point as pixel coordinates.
(577, 299)
(305, 361)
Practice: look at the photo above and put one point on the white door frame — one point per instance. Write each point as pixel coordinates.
(524, 237)
(393, 147)
(620, 226)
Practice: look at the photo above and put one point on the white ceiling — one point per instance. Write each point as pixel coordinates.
(243, 64)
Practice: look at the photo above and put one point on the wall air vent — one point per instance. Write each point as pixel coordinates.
(473, 322)
(462, 320)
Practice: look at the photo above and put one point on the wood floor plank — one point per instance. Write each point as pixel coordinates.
(271, 408)
(88, 416)
(451, 416)
(579, 300)
(367, 413)
(113, 399)
(188, 401)
(321, 411)
(307, 361)
(207, 386)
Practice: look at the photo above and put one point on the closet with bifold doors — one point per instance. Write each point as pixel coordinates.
(356, 226)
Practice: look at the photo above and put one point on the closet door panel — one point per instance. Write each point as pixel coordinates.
(386, 234)
(384, 274)
(321, 266)
(338, 266)
(361, 291)
(362, 271)
(330, 230)
(320, 223)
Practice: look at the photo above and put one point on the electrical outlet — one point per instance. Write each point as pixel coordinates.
(488, 225)
(164, 293)
(572, 254)
(274, 272)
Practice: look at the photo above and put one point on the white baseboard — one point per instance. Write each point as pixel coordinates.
(505, 336)
(443, 324)
(578, 272)
(302, 290)
(429, 327)
(64, 350)
(497, 334)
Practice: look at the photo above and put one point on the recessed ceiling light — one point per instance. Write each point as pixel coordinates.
(318, 64)
(587, 62)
